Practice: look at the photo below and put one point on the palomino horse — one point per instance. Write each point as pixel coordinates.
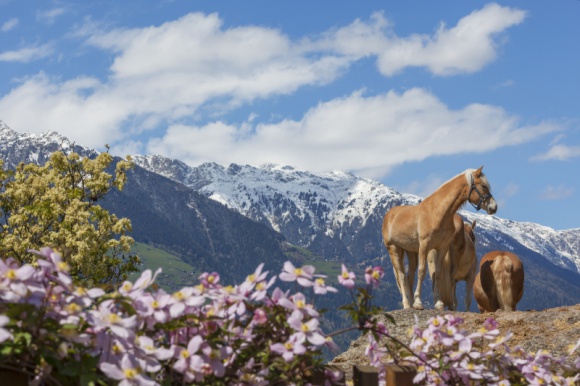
(499, 285)
(459, 264)
(427, 228)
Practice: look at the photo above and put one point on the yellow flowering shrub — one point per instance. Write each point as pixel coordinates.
(57, 205)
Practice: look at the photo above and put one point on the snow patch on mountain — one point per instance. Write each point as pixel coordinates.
(559, 247)
(329, 202)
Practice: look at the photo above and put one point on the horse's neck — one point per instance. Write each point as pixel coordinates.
(447, 200)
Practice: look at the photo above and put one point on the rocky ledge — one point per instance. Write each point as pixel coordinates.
(553, 329)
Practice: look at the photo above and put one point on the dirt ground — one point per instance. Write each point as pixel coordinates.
(553, 329)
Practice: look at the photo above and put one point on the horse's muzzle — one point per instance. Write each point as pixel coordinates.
(492, 208)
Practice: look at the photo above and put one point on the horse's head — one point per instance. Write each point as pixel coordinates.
(480, 191)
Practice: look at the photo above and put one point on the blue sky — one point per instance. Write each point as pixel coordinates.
(409, 93)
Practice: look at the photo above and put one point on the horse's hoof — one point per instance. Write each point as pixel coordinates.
(418, 306)
(440, 306)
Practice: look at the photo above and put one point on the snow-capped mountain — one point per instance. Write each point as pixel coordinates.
(285, 198)
(229, 218)
(561, 248)
(35, 148)
(304, 205)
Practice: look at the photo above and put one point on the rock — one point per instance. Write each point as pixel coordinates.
(553, 329)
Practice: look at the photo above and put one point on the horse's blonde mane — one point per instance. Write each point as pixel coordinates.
(469, 177)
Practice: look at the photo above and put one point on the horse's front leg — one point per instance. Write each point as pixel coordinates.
(397, 259)
(418, 305)
(412, 257)
(435, 261)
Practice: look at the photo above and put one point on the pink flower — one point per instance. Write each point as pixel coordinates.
(374, 351)
(210, 280)
(146, 344)
(254, 278)
(4, 333)
(294, 346)
(187, 296)
(374, 275)
(347, 278)
(302, 275)
(128, 371)
(188, 358)
(105, 317)
(298, 302)
(144, 281)
(320, 287)
(260, 316)
(308, 330)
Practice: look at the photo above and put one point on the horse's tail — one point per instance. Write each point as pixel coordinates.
(502, 273)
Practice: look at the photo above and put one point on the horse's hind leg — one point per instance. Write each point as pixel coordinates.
(453, 291)
(469, 282)
(397, 258)
(435, 261)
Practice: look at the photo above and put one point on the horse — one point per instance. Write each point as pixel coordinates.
(459, 264)
(499, 285)
(426, 229)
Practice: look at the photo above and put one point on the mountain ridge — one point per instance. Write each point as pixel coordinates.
(231, 218)
(363, 198)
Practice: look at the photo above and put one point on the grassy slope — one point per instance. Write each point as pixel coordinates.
(175, 272)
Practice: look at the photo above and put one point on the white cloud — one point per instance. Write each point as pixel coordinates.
(556, 192)
(424, 188)
(559, 152)
(162, 75)
(358, 133)
(50, 16)
(511, 190)
(464, 48)
(79, 109)
(9, 24)
(26, 54)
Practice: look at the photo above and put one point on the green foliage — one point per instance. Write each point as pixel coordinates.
(56, 204)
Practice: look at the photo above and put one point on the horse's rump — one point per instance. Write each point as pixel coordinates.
(502, 269)
(500, 282)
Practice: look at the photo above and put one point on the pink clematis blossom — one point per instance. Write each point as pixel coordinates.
(302, 275)
(346, 278)
(308, 330)
(374, 275)
(294, 346)
(105, 317)
(188, 358)
(298, 302)
(128, 371)
(320, 287)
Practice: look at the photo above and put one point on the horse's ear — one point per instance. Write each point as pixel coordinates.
(477, 173)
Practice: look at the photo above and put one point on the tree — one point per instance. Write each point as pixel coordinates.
(56, 205)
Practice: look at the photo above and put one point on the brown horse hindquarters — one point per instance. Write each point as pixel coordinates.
(500, 282)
